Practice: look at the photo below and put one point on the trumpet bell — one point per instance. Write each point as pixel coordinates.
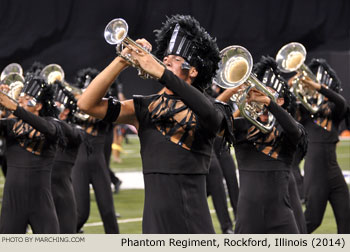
(52, 72)
(116, 31)
(11, 68)
(291, 57)
(235, 66)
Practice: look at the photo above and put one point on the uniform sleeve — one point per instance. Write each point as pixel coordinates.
(73, 134)
(194, 99)
(3, 126)
(39, 123)
(287, 122)
(339, 108)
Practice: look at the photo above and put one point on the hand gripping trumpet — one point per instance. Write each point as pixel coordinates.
(116, 33)
(235, 69)
(291, 58)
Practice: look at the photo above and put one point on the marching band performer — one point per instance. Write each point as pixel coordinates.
(91, 168)
(62, 187)
(323, 179)
(176, 126)
(264, 164)
(32, 134)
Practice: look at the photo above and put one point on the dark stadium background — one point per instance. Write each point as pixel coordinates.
(70, 32)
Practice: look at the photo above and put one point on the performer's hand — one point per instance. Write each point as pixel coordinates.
(229, 92)
(4, 88)
(146, 61)
(257, 96)
(7, 102)
(311, 84)
(290, 81)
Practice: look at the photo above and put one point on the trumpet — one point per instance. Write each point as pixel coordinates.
(235, 69)
(116, 33)
(291, 58)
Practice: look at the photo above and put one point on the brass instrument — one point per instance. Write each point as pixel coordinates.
(15, 83)
(11, 68)
(116, 33)
(235, 69)
(54, 72)
(291, 58)
(12, 76)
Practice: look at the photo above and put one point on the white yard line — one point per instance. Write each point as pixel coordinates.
(96, 224)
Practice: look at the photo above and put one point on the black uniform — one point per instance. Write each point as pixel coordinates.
(62, 187)
(108, 151)
(176, 136)
(228, 168)
(264, 167)
(222, 166)
(323, 179)
(296, 204)
(215, 188)
(91, 168)
(31, 146)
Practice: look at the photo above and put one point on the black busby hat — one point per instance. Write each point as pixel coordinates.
(182, 35)
(35, 68)
(328, 75)
(65, 97)
(267, 72)
(36, 87)
(85, 76)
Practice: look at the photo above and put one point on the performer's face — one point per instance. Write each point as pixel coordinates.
(174, 64)
(28, 103)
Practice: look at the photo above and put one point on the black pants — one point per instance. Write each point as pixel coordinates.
(299, 180)
(108, 153)
(63, 196)
(92, 169)
(3, 164)
(215, 188)
(27, 201)
(324, 182)
(296, 204)
(228, 168)
(263, 204)
(176, 204)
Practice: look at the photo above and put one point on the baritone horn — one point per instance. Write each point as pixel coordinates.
(291, 58)
(235, 69)
(116, 33)
(11, 68)
(12, 76)
(54, 72)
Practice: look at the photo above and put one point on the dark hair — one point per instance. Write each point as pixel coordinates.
(35, 68)
(205, 56)
(85, 76)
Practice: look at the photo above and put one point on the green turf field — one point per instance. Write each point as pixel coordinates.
(129, 203)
